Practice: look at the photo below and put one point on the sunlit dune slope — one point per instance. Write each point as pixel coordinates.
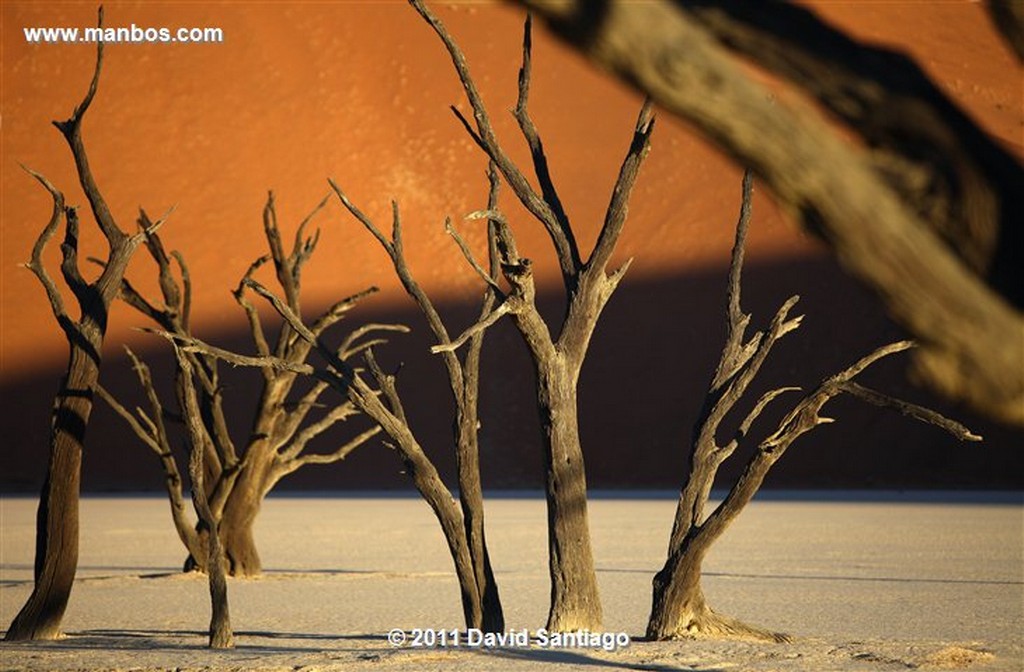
(360, 92)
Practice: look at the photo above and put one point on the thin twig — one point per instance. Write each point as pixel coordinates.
(341, 453)
(468, 254)
(503, 309)
(189, 344)
(144, 435)
(910, 410)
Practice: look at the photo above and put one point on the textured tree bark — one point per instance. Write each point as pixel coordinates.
(384, 406)
(242, 506)
(236, 526)
(678, 606)
(464, 378)
(426, 481)
(57, 517)
(430, 486)
(221, 635)
(575, 600)
(471, 499)
(679, 609)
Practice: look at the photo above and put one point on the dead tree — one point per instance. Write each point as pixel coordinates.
(924, 209)
(462, 525)
(484, 606)
(57, 518)
(557, 355)
(236, 482)
(679, 608)
(153, 432)
(221, 635)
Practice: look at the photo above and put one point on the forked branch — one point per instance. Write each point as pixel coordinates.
(805, 416)
(36, 262)
(615, 215)
(557, 227)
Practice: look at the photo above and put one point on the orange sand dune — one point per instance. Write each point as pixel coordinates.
(359, 91)
(355, 91)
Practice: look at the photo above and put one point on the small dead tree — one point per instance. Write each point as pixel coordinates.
(236, 482)
(57, 520)
(557, 355)
(924, 209)
(480, 595)
(221, 635)
(679, 608)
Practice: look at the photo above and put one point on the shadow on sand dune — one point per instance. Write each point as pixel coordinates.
(641, 387)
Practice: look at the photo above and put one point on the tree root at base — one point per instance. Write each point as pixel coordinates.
(711, 625)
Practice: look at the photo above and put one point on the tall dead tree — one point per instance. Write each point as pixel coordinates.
(484, 607)
(679, 608)
(285, 422)
(558, 354)
(924, 209)
(57, 519)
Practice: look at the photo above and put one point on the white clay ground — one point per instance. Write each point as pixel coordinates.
(862, 581)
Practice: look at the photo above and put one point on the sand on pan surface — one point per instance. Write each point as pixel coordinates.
(862, 581)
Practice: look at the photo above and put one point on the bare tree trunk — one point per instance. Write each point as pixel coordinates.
(221, 635)
(680, 610)
(242, 505)
(428, 482)
(236, 526)
(281, 429)
(430, 486)
(471, 499)
(57, 517)
(678, 606)
(384, 407)
(390, 415)
(575, 600)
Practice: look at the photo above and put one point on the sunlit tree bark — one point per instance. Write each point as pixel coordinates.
(57, 519)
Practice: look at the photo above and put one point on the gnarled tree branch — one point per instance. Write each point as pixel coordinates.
(883, 226)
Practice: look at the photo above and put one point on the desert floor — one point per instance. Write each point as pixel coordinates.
(863, 581)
